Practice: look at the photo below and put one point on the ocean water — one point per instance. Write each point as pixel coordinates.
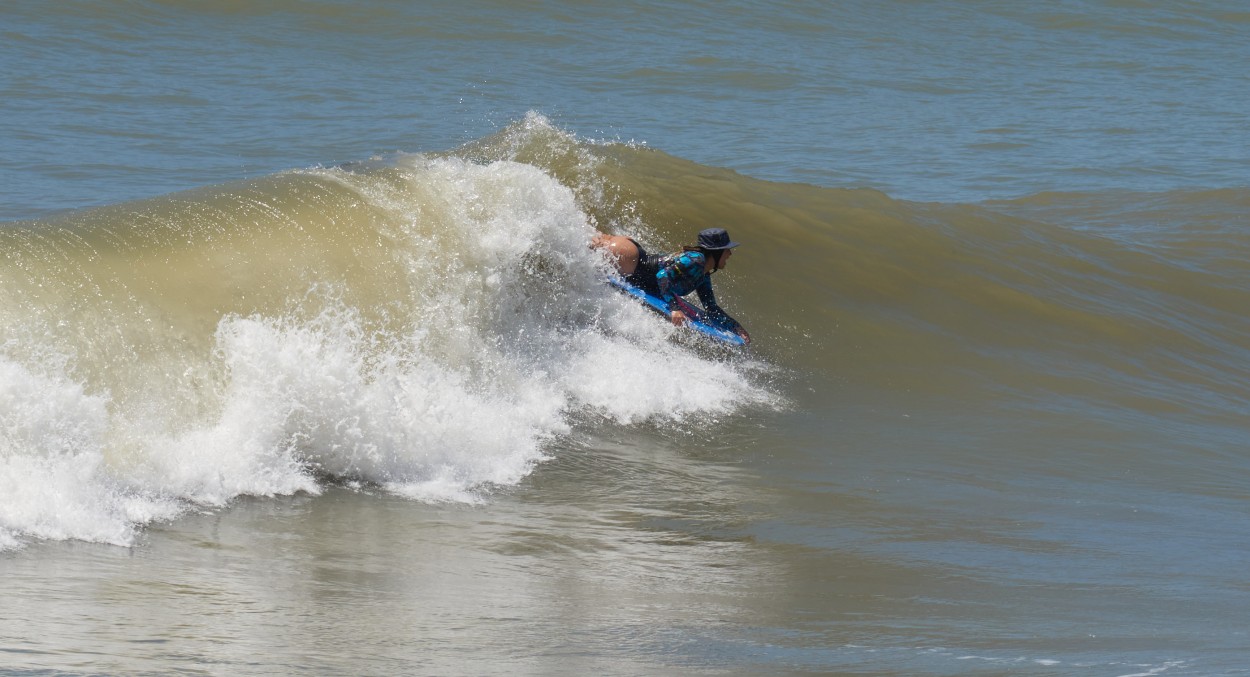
(306, 367)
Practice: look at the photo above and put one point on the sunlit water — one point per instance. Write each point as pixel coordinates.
(358, 404)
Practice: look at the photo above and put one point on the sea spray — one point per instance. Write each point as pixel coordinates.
(428, 326)
(54, 483)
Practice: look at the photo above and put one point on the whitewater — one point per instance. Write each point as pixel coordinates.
(306, 365)
(427, 331)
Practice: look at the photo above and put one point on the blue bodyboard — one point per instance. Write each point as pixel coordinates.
(697, 321)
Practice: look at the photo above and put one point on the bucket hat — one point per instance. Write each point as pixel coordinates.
(716, 238)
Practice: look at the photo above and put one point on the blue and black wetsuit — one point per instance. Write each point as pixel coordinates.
(643, 276)
(671, 277)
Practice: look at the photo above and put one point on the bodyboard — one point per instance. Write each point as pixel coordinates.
(697, 321)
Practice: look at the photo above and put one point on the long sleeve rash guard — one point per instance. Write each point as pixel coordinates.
(684, 273)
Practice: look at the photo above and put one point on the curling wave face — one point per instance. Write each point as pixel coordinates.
(426, 325)
(436, 325)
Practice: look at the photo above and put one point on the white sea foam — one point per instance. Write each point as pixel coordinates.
(54, 483)
(504, 330)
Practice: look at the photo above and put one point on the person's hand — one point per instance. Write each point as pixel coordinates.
(678, 318)
(745, 336)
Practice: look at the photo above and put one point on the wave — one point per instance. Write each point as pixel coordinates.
(435, 325)
(427, 325)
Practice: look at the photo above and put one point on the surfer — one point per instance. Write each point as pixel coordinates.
(676, 275)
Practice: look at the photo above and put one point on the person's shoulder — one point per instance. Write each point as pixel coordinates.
(692, 258)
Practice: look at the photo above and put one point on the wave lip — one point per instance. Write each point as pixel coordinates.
(426, 325)
(437, 325)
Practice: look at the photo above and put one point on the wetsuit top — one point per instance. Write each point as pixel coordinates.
(685, 272)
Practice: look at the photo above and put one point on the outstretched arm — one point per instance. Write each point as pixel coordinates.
(717, 315)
